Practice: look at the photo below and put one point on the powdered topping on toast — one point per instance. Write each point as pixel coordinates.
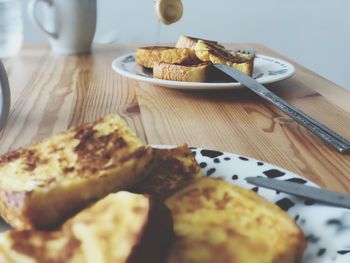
(215, 221)
(46, 182)
(190, 42)
(80, 152)
(219, 52)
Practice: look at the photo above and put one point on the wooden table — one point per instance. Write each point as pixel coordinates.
(51, 93)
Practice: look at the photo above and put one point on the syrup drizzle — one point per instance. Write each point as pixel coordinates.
(158, 33)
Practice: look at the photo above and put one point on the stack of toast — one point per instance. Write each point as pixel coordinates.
(191, 60)
(96, 193)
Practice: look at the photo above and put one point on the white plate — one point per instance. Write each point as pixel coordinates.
(266, 70)
(326, 228)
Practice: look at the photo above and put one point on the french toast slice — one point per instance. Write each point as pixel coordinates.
(190, 42)
(150, 56)
(44, 183)
(190, 73)
(122, 227)
(215, 221)
(216, 54)
(173, 169)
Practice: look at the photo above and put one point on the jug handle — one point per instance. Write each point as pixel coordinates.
(32, 14)
(5, 101)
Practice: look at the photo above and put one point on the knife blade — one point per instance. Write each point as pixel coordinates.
(333, 139)
(311, 192)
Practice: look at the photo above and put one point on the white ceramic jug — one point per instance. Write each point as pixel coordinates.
(74, 24)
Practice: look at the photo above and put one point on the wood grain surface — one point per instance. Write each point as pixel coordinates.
(51, 93)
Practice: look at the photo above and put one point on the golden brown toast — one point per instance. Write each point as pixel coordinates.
(150, 56)
(173, 169)
(216, 54)
(44, 183)
(122, 227)
(190, 73)
(190, 42)
(215, 221)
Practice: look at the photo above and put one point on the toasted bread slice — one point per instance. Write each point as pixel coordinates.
(176, 72)
(173, 169)
(150, 56)
(206, 51)
(122, 227)
(44, 183)
(190, 42)
(215, 221)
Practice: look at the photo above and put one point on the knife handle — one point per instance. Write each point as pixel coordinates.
(326, 134)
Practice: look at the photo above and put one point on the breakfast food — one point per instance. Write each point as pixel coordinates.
(173, 169)
(46, 183)
(215, 221)
(42, 184)
(192, 60)
(150, 56)
(122, 227)
(215, 54)
(191, 73)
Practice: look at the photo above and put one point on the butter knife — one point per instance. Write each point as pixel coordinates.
(333, 139)
(311, 192)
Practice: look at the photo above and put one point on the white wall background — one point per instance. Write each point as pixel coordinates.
(314, 33)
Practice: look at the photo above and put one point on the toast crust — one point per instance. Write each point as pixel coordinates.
(176, 72)
(153, 55)
(173, 169)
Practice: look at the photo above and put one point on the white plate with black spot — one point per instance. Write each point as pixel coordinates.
(266, 70)
(326, 228)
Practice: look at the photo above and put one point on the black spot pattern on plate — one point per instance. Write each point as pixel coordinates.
(335, 222)
(227, 158)
(285, 204)
(211, 171)
(216, 160)
(297, 180)
(296, 218)
(260, 163)
(234, 177)
(309, 202)
(255, 189)
(203, 165)
(243, 158)
(338, 224)
(312, 238)
(211, 153)
(193, 148)
(321, 252)
(302, 221)
(343, 252)
(273, 173)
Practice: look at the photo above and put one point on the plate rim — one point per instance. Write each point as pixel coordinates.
(182, 85)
